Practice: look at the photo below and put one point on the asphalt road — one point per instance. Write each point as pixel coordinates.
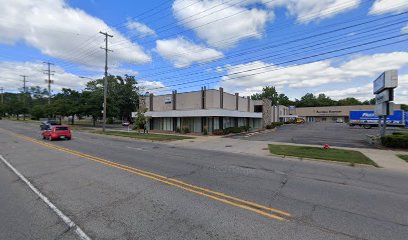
(335, 134)
(111, 201)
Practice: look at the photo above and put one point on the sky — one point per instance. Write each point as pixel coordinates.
(336, 47)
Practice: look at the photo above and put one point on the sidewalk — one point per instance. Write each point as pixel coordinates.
(384, 158)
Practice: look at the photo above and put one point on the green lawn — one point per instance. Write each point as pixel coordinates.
(403, 157)
(331, 154)
(150, 136)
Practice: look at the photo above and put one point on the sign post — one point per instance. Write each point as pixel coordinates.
(383, 88)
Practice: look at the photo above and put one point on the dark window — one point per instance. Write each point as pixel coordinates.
(258, 108)
(61, 128)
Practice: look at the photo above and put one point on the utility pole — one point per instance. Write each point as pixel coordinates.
(2, 93)
(49, 81)
(24, 93)
(105, 80)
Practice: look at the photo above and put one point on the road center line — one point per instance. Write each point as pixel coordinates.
(251, 206)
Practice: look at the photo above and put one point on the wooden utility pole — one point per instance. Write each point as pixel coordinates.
(2, 93)
(49, 81)
(105, 80)
(24, 94)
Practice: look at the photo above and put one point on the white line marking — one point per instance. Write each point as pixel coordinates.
(71, 224)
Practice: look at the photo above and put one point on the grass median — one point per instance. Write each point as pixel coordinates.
(403, 157)
(150, 136)
(331, 154)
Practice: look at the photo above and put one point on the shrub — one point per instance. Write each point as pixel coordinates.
(232, 130)
(395, 141)
(178, 130)
(205, 131)
(276, 124)
(245, 128)
(186, 130)
(269, 126)
(218, 132)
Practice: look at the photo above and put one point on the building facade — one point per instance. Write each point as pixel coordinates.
(208, 109)
(332, 113)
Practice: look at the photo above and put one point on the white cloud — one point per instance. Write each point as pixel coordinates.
(62, 79)
(362, 93)
(405, 29)
(34, 70)
(183, 53)
(312, 10)
(63, 32)
(140, 29)
(311, 74)
(388, 6)
(221, 23)
(365, 92)
(224, 23)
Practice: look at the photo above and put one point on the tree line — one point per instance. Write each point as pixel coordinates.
(123, 99)
(308, 100)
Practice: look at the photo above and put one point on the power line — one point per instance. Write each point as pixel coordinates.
(299, 59)
(105, 81)
(269, 47)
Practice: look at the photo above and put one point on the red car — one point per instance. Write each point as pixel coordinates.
(57, 132)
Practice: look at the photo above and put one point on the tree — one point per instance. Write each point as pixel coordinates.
(348, 101)
(267, 93)
(404, 107)
(308, 100)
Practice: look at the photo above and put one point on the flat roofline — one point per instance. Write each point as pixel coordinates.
(203, 113)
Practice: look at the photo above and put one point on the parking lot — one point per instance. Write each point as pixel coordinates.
(335, 134)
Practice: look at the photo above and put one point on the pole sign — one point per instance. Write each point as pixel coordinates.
(385, 96)
(388, 79)
(384, 109)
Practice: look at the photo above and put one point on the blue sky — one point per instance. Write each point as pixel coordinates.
(335, 47)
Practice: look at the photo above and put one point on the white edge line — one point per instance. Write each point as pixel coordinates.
(82, 235)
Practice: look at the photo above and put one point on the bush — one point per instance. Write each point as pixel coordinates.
(205, 132)
(245, 128)
(276, 124)
(269, 126)
(186, 130)
(178, 130)
(232, 130)
(395, 141)
(218, 132)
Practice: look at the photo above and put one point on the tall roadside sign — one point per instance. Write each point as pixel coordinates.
(383, 88)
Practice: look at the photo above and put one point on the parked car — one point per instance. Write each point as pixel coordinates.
(300, 120)
(125, 124)
(339, 120)
(55, 132)
(46, 124)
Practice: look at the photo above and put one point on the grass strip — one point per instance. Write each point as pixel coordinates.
(331, 154)
(403, 157)
(150, 136)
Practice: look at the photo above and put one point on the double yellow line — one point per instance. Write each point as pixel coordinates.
(218, 196)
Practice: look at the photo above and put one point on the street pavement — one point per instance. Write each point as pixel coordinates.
(211, 194)
(23, 215)
(334, 134)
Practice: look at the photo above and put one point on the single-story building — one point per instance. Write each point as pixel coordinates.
(208, 109)
(332, 113)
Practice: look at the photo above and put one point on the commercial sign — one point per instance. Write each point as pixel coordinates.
(385, 96)
(167, 99)
(384, 109)
(388, 79)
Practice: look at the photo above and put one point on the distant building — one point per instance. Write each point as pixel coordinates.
(332, 113)
(209, 109)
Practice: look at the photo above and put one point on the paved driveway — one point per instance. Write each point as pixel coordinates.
(335, 134)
